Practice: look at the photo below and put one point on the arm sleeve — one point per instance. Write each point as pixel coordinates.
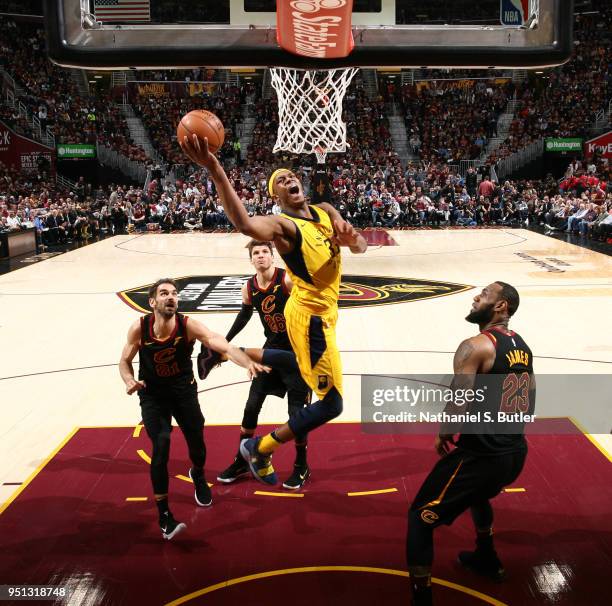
(242, 319)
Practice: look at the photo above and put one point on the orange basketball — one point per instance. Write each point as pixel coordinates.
(203, 124)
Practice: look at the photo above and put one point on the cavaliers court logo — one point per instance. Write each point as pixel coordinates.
(215, 294)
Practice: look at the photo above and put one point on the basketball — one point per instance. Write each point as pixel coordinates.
(203, 124)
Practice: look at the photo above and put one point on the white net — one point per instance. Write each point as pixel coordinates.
(310, 110)
(533, 18)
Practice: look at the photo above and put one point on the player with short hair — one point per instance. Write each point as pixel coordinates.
(166, 386)
(308, 238)
(499, 363)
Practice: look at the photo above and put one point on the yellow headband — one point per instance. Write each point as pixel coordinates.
(271, 180)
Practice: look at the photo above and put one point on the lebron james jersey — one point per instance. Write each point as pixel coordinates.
(315, 263)
(508, 389)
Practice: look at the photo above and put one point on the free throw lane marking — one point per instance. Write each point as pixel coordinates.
(515, 490)
(147, 459)
(143, 455)
(368, 492)
(263, 493)
(136, 498)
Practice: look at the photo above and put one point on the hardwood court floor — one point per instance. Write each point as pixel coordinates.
(63, 324)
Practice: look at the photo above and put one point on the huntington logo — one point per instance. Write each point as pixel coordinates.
(563, 145)
(77, 150)
(214, 294)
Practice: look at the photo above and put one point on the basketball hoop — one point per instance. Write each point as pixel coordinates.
(320, 153)
(310, 110)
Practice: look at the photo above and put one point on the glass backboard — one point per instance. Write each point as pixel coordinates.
(115, 34)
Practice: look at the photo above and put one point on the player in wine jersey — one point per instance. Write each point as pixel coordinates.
(487, 456)
(266, 292)
(308, 238)
(167, 388)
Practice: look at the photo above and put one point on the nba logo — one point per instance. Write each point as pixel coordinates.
(514, 12)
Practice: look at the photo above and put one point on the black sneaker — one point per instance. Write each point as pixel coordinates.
(485, 564)
(203, 496)
(296, 480)
(234, 471)
(170, 527)
(207, 360)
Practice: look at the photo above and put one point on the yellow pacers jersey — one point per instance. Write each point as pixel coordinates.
(315, 263)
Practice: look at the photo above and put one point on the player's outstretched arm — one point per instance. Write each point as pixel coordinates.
(244, 315)
(130, 349)
(217, 342)
(260, 228)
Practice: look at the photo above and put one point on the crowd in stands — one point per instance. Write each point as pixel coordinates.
(452, 120)
(446, 122)
(419, 196)
(53, 96)
(197, 74)
(563, 102)
(14, 184)
(161, 114)
(15, 120)
(432, 195)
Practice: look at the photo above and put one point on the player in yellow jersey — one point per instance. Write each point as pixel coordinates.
(308, 238)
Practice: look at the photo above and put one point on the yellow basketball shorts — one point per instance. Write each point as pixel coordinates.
(313, 339)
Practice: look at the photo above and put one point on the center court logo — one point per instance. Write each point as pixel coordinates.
(215, 294)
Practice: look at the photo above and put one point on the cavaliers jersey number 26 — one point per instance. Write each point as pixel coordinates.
(270, 305)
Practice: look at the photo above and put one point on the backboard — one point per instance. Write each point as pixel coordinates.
(242, 33)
